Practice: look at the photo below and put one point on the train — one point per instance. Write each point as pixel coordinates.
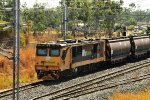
(70, 57)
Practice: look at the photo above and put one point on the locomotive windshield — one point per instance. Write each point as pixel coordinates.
(41, 52)
(54, 52)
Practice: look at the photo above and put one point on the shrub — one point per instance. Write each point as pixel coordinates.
(142, 95)
(22, 39)
(68, 36)
(143, 31)
(131, 27)
(27, 70)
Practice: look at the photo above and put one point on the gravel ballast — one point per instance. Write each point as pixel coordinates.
(99, 95)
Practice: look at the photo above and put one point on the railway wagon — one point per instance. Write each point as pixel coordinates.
(140, 46)
(117, 50)
(68, 58)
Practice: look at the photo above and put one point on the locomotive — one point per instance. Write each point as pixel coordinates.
(70, 57)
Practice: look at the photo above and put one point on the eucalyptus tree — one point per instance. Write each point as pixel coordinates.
(106, 13)
(5, 13)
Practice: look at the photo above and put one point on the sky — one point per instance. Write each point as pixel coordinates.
(141, 4)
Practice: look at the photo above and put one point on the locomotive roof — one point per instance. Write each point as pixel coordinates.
(62, 43)
(125, 38)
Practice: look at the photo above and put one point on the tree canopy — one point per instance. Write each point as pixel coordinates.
(95, 14)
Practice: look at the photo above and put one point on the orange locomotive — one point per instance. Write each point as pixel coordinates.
(66, 58)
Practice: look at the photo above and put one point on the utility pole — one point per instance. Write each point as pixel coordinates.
(16, 50)
(65, 20)
(17, 53)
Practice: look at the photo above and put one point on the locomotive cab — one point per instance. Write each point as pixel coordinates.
(47, 61)
(66, 59)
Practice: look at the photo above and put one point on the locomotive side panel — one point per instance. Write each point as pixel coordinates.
(66, 58)
(88, 54)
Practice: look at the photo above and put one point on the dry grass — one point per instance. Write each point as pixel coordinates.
(142, 95)
(45, 38)
(5, 81)
(27, 70)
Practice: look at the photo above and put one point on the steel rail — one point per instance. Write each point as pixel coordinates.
(22, 88)
(95, 80)
(104, 86)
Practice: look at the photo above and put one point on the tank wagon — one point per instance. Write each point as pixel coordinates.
(70, 57)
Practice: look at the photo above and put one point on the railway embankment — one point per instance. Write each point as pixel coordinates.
(102, 89)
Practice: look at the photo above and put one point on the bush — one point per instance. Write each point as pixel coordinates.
(22, 39)
(131, 27)
(68, 36)
(143, 31)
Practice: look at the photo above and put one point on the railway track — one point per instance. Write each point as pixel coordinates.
(74, 90)
(22, 88)
(100, 87)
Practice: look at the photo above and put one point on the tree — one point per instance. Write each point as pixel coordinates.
(4, 14)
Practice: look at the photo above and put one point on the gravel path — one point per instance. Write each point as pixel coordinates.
(100, 95)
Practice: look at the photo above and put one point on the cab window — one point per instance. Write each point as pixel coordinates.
(41, 52)
(54, 52)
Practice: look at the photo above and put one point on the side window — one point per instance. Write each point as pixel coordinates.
(54, 52)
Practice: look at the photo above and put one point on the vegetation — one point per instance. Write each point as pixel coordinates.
(97, 15)
(131, 27)
(142, 95)
(27, 68)
(5, 10)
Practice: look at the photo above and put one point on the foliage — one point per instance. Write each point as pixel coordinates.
(68, 36)
(27, 69)
(41, 17)
(131, 27)
(97, 15)
(4, 14)
(143, 31)
(22, 39)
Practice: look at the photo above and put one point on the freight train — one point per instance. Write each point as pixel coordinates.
(70, 57)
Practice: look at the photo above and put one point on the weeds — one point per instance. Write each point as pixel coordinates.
(27, 70)
(142, 95)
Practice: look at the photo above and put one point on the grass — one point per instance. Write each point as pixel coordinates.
(142, 95)
(27, 70)
(5, 81)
